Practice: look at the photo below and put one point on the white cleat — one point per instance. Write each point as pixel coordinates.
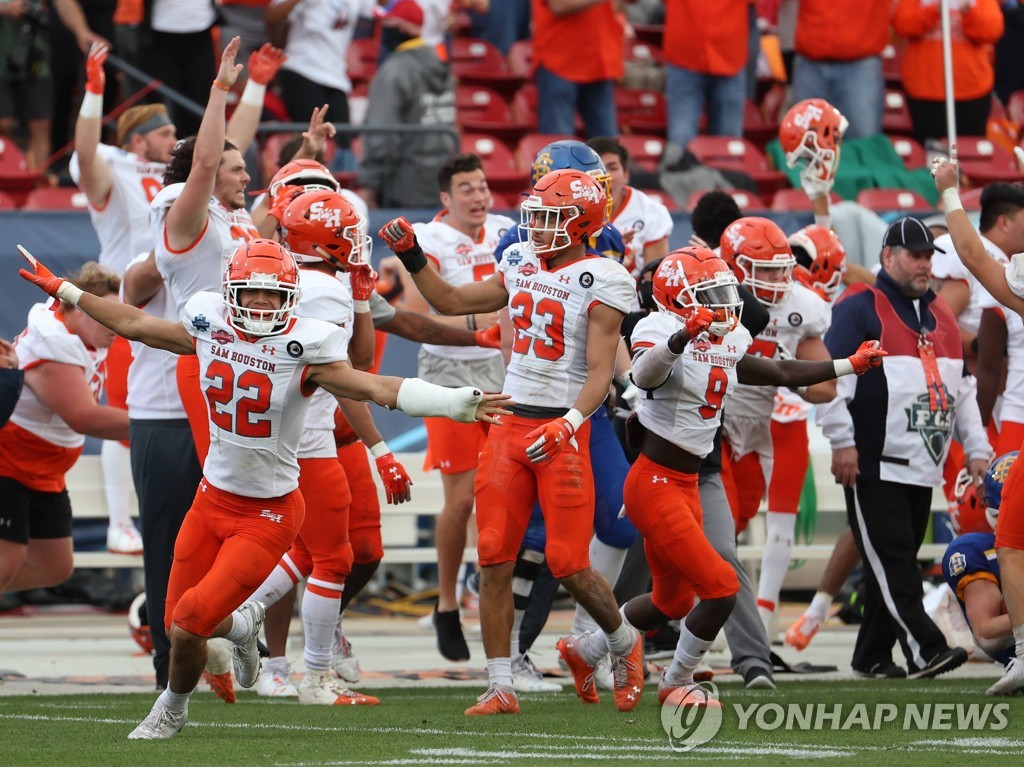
(124, 539)
(274, 682)
(1012, 680)
(319, 688)
(246, 654)
(526, 677)
(346, 665)
(603, 674)
(161, 724)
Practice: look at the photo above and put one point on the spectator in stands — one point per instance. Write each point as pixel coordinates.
(26, 82)
(576, 69)
(11, 380)
(502, 23)
(974, 27)
(412, 87)
(1009, 72)
(839, 47)
(706, 59)
(315, 73)
(61, 352)
(890, 433)
(181, 54)
(244, 19)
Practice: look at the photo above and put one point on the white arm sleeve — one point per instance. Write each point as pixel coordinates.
(652, 367)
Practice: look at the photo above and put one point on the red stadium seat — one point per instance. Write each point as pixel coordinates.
(644, 151)
(892, 199)
(641, 111)
(790, 199)
(7, 202)
(16, 178)
(649, 33)
(361, 59)
(644, 50)
(1015, 107)
(738, 154)
(500, 166)
(971, 199)
(892, 61)
(747, 201)
(911, 152)
(507, 200)
(983, 161)
(895, 114)
(482, 110)
(663, 197)
(478, 62)
(757, 128)
(533, 143)
(56, 198)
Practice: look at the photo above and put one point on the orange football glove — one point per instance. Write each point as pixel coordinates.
(282, 199)
(363, 281)
(397, 482)
(264, 63)
(700, 319)
(549, 440)
(489, 338)
(40, 275)
(95, 77)
(868, 356)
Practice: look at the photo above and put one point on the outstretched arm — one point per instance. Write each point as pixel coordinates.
(188, 214)
(127, 321)
(813, 349)
(758, 371)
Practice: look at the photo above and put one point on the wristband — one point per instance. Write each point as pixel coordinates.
(413, 259)
(575, 419)
(471, 322)
(221, 86)
(843, 367)
(68, 293)
(361, 307)
(92, 105)
(823, 221)
(380, 449)
(951, 200)
(253, 93)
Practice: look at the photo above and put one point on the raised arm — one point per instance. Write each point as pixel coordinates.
(472, 298)
(127, 321)
(94, 175)
(992, 275)
(188, 214)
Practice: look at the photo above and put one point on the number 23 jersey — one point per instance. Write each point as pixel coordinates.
(549, 311)
(686, 408)
(254, 391)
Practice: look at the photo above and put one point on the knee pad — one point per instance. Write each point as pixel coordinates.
(193, 615)
(490, 547)
(367, 545)
(562, 562)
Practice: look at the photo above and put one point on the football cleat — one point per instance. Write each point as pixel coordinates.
(526, 677)
(124, 539)
(161, 724)
(582, 672)
(802, 632)
(274, 682)
(687, 694)
(603, 674)
(246, 654)
(319, 688)
(1012, 680)
(497, 700)
(628, 671)
(346, 665)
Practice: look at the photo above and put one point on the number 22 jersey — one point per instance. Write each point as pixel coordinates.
(254, 388)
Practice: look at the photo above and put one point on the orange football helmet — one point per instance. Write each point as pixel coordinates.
(570, 204)
(820, 253)
(692, 277)
(261, 265)
(138, 624)
(812, 130)
(308, 174)
(966, 511)
(324, 226)
(760, 256)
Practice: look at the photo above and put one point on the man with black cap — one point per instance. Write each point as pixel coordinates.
(890, 432)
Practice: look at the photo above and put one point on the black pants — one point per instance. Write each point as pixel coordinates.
(889, 521)
(166, 472)
(302, 96)
(184, 62)
(929, 117)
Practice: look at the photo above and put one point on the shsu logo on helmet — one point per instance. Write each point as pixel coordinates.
(672, 271)
(689, 717)
(805, 118)
(582, 191)
(330, 216)
(734, 235)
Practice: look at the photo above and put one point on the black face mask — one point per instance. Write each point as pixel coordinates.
(645, 287)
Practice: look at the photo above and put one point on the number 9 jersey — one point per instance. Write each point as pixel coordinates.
(254, 389)
(549, 311)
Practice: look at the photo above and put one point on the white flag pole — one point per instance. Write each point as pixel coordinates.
(947, 70)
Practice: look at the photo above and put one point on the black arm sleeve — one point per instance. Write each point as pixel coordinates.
(755, 316)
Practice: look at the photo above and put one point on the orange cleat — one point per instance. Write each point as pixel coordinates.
(802, 632)
(628, 672)
(497, 700)
(222, 685)
(582, 672)
(347, 697)
(686, 695)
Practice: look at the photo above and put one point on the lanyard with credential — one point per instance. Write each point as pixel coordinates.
(936, 391)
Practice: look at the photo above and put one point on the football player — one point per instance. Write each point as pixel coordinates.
(260, 364)
(687, 357)
(566, 308)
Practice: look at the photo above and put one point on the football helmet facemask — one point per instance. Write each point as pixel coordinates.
(261, 265)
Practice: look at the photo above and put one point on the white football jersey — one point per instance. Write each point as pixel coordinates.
(47, 339)
(648, 219)
(947, 266)
(461, 261)
(804, 314)
(549, 311)
(687, 409)
(200, 267)
(254, 390)
(122, 224)
(327, 299)
(1012, 404)
(152, 377)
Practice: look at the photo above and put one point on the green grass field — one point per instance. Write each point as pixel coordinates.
(425, 725)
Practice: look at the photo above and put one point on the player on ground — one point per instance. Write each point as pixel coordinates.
(1006, 284)
(566, 307)
(687, 372)
(260, 366)
(763, 261)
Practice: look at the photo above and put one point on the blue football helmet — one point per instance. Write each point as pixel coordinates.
(576, 155)
(992, 487)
